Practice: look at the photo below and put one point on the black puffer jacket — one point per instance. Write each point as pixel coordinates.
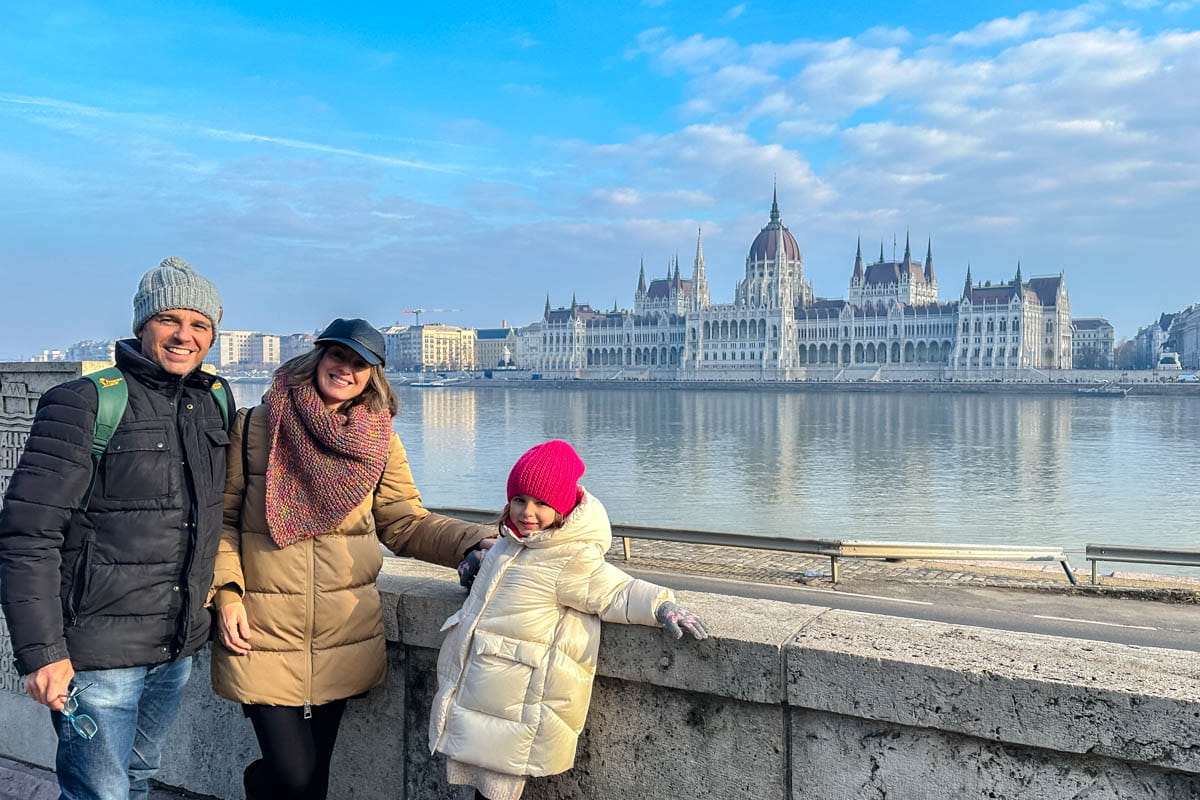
(124, 583)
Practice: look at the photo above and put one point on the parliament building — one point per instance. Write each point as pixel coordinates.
(890, 326)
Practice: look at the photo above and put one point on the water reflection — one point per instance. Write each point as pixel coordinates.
(951, 468)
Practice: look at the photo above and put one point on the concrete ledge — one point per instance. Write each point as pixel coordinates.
(1066, 695)
(784, 701)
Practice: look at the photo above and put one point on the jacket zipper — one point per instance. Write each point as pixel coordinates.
(82, 576)
(469, 636)
(192, 523)
(309, 613)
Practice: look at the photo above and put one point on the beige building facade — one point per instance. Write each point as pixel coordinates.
(432, 347)
(247, 349)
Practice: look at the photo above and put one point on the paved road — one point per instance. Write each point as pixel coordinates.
(1143, 623)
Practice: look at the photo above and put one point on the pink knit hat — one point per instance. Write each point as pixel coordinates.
(549, 472)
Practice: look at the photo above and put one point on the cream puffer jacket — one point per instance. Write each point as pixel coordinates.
(316, 623)
(515, 670)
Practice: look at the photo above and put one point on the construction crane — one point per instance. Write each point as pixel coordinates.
(419, 311)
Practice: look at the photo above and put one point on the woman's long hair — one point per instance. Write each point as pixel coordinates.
(377, 395)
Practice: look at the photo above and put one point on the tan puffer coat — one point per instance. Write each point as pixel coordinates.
(315, 617)
(515, 671)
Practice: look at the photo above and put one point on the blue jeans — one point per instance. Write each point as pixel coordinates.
(134, 708)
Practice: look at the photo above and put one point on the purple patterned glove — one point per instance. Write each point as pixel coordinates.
(469, 568)
(676, 620)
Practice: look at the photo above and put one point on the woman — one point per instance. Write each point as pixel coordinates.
(315, 475)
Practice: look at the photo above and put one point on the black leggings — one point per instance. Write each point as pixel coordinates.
(295, 750)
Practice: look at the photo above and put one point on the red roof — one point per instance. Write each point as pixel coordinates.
(662, 288)
(885, 272)
(1046, 289)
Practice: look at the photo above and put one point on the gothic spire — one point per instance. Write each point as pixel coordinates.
(699, 277)
(774, 203)
(546, 313)
(967, 286)
(858, 262)
(881, 251)
(641, 278)
(907, 254)
(1018, 279)
(929, 261)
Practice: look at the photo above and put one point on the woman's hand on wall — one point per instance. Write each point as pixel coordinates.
(234, 628)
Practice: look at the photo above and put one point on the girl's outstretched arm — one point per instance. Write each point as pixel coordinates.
(591, 585)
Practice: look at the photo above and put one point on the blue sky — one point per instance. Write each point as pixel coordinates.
(363, 160)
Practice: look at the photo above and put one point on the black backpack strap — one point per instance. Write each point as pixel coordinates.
(246, 450)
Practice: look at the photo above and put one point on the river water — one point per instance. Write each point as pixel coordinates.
(955, 468)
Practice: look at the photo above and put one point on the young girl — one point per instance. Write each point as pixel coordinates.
(515, 671)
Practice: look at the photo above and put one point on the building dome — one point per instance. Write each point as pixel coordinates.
(773, 239)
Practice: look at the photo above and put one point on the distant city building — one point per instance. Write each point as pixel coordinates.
(1185, 335)
(1093, 343)
(50, 355)
(294, 344)
(431, 347)
(92, 350)
(776, 329)
(393, 344)
(495, 347)
(1149, 342)
(248, 349)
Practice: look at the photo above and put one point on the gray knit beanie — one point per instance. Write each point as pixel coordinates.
(174, 284)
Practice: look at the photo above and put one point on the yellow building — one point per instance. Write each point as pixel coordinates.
(434, 347)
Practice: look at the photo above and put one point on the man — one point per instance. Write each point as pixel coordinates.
(103, 578)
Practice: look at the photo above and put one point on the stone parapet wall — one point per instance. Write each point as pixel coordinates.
(784, 701)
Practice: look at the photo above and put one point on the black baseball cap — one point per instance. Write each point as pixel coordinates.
(357, 334)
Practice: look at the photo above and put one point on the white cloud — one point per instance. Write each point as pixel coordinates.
(149, 131)
(1023, 25)
(734, 12)
(884, 35)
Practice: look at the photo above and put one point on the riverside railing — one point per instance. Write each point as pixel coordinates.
(1183, 557)
(833, 549)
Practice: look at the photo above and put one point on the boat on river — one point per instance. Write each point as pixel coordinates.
(1106, 389)
(435, 382)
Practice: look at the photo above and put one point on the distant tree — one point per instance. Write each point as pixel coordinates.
(1126, 355)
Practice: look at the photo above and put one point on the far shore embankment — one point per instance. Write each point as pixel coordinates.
(1130, 389)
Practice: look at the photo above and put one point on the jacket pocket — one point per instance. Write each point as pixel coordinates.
(218, 452)
(498, 675)
(80, 578)
(136, 465)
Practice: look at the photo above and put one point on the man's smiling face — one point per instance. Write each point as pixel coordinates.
(177, 339)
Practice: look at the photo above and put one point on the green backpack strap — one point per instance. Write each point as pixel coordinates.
(112, 397)
(220, 393)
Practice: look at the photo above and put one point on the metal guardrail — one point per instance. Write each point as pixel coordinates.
(833, 549)
(1183, 557)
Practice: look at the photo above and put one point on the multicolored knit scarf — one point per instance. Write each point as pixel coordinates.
(321, 463)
